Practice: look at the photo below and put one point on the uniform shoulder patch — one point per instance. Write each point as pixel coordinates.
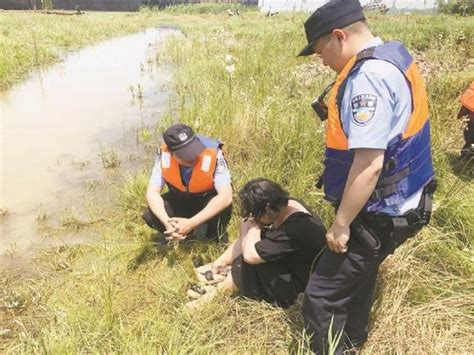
(363, 108)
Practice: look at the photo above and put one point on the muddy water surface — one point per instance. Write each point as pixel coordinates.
(55, 126)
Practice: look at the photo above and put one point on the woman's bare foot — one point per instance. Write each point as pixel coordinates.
(211, 274)
(226, 286)
(205, 298)
(196, 291)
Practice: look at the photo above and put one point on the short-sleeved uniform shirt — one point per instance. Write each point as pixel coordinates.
(221, 174)
(376, 108)
(295, 243)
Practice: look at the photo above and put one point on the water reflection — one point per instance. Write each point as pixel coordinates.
(55, 125)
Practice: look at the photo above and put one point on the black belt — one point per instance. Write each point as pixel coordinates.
(419, 216)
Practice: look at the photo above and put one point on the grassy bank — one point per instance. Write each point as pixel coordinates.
(128, 297)
(32, 40)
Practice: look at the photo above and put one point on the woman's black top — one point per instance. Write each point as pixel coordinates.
(295, 243)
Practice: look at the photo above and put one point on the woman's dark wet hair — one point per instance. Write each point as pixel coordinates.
(259, 193)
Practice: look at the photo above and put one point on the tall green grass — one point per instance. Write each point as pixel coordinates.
(29, 41)
(124, 295)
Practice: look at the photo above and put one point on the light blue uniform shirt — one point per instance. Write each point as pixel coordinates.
(221, 174)
(376, 107)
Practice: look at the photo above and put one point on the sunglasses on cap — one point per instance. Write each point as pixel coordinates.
(318, 104)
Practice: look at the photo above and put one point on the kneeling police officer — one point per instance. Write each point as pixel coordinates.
(466, 114)
(200, 192)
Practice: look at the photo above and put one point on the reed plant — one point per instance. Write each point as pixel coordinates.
(126, 295)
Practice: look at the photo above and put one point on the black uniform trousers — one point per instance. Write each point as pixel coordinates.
(186, 206)
(469, 134)
(340, 291)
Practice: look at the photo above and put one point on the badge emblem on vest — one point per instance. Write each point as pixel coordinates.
(363, 108)
(182, 136)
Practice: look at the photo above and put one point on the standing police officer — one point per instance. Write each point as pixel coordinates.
(378, 168)
(199, 183)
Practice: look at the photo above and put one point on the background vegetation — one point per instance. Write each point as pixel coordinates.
(237, 78)
(31, 40)
(459, 7)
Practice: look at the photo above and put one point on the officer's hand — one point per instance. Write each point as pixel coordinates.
(175, 237)
(337, 238)
(169, 228)
(182, 226)
(172, 234)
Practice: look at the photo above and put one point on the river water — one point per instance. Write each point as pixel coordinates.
(55, 126)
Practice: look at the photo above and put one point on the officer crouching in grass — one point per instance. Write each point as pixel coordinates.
(199, 187)
(378, 168)
(466, 114)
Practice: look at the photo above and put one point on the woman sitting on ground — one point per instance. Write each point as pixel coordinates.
(278, 244)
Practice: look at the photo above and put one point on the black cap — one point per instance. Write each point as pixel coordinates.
(182, 142)
(334, 14)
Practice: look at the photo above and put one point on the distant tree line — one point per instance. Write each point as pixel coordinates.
(459, 7)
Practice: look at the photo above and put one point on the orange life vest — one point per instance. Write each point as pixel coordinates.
(202, 176)
(467, 98)
(407, 162)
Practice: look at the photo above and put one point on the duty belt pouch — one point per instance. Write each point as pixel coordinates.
(365, 235)
(406, 226)
(401, 231)
(426, 203)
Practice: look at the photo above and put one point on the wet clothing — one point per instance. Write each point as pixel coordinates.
(289, 252)
(377, 102)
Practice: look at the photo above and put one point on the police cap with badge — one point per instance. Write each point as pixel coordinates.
(183, 142)
(335, 14)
